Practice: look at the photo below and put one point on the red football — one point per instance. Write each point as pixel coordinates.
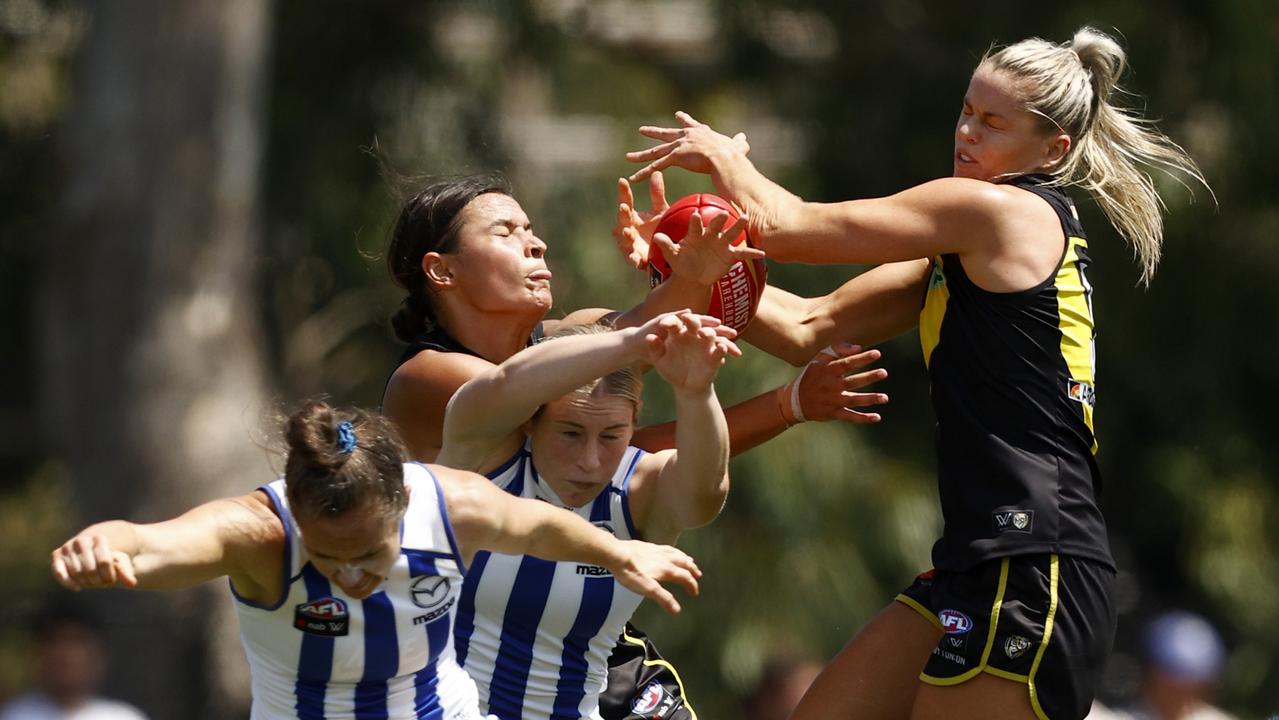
(735, 296)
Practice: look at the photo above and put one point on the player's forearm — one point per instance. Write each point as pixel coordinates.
(553, 533)
(781, 327)
(750, 423)
(496, 402)
(775, 213)
(677, 293)
(702, 447)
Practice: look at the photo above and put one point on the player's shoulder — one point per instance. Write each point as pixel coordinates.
(431, 375)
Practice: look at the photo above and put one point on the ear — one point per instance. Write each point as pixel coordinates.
(436, 268)
(1056, 150)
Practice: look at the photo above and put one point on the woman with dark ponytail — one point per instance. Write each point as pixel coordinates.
(1016, 619)
(478, 291)
(347, 570)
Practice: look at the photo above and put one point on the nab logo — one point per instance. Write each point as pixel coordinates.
(326, 616)
(1014, 520)
(954, 622)
(429, 591)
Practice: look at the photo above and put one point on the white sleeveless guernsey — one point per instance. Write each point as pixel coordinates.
(317, 653)
(536, 635)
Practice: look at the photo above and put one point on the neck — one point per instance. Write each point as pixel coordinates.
(495, 337)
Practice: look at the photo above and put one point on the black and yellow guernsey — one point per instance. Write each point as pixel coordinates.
(1013, 387)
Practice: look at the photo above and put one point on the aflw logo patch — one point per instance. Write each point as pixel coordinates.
(326, 616)
(1014, 521)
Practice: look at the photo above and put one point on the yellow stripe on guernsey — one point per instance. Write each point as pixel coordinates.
(1074, 313)
(930, 318)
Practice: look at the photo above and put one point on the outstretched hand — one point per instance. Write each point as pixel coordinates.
(690, 147)
(687, 349)
(634, 228)
(89, 562)
(707, 251)
(827, 386)
(646, 566)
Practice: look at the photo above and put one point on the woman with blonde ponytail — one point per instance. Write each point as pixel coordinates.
(1016, 618)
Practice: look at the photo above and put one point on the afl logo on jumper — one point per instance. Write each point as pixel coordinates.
(954, 622)
(326, 616)
(654, 702)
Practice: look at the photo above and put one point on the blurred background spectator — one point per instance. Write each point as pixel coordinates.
(1182, 660)
(68, 664)
(782, 683)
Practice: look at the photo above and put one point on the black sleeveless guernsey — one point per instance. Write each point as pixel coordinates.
(1013, 387)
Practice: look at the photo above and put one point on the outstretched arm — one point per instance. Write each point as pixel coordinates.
(486, 518)
(485, 410)
(877, 305)
(239, 537)
(825, 390)
(685, 488)
(946, 215)
(704, 255)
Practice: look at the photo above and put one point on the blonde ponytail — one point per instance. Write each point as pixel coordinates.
(1071, 87)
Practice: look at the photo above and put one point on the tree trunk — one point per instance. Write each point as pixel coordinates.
(154, 376)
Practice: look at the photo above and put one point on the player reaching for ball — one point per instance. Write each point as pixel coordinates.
(347, 571)
(478, 290)
(554, 422)
(1016, 619)
(735, 295)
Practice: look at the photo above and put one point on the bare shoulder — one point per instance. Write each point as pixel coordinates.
(418, 394)
(466, 494)
(432, 372)
(966, 193)
(584, 316)
(251, 520)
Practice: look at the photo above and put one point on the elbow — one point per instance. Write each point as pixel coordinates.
(708, 505)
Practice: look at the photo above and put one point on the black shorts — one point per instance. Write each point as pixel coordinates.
(642, 685)
(1044, 620)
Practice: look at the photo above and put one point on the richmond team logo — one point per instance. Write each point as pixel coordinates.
(1014, 520)
(430, 591)
(954, 622)
(1016, 646)
(326, 616)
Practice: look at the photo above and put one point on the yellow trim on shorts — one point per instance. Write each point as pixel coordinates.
(1043, 644)
(911, 602)
(990, 636)
(663, 663)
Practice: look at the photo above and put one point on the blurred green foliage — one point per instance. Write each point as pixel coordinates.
(841, 100)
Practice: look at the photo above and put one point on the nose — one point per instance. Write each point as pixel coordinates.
(964, 131)
(536, 247)
(589, 459)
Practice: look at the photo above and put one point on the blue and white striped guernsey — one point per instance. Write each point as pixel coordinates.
(317, 653)
(536, 635)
